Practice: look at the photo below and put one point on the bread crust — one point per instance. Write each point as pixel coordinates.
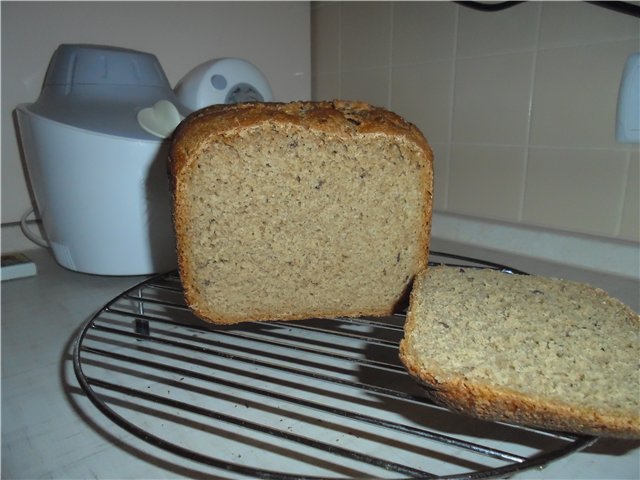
(344, 119)
(496, 403)
(218, 121)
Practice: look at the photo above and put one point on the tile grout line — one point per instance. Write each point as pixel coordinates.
(527, 143)
(390, 58)
(340, 50)
(451, 107)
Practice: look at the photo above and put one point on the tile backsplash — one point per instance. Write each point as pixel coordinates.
(519, 105)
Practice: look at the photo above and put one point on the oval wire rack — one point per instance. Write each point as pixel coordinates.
(306, 399)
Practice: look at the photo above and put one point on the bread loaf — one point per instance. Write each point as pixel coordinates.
(299, 210)
(524, 349)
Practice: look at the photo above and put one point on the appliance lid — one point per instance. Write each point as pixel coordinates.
(74, 64)
(103, 89)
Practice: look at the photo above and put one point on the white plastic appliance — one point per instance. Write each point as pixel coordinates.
(223, 80)
(95, 145)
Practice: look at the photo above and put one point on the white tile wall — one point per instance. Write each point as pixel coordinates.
(432, 105)
(576, 93)
(572, 189)
(485, 181)
(570, 24)
(364, 35)
(369, 83)
(422, 32)
(506, 31)
(491, 101)
(519, 105)
(630, 219)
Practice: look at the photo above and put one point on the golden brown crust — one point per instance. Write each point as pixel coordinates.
(495, 403)
(343, 119)
(220, 120)
(213, 317)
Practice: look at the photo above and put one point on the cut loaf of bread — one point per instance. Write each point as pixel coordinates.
(299, 210)
(524, 349)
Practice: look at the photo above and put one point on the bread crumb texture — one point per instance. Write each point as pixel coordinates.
(288, 211)
(527, 349)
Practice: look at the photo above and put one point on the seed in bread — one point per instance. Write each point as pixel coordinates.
(525, 349)
(299, 210)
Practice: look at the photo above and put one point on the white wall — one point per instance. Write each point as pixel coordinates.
(272, 35)
(519, 107)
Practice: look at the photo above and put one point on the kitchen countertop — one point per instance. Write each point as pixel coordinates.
(51, 430)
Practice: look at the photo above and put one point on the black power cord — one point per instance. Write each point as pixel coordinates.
(489, 7)
(620, 7)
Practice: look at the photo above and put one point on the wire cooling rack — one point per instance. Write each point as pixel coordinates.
(285, 400)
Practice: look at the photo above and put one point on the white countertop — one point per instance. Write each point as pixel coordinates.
(51, 430)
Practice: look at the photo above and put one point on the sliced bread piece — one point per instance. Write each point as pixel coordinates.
(299, 210)
(524, 349)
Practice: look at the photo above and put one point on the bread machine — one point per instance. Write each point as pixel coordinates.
(95, 148)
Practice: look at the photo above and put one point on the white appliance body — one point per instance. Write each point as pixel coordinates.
(104, 200)
(96, 144)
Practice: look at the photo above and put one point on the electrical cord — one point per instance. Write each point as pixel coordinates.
(625, 8)
(488, 7)
(28, 233)
(620, 7)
